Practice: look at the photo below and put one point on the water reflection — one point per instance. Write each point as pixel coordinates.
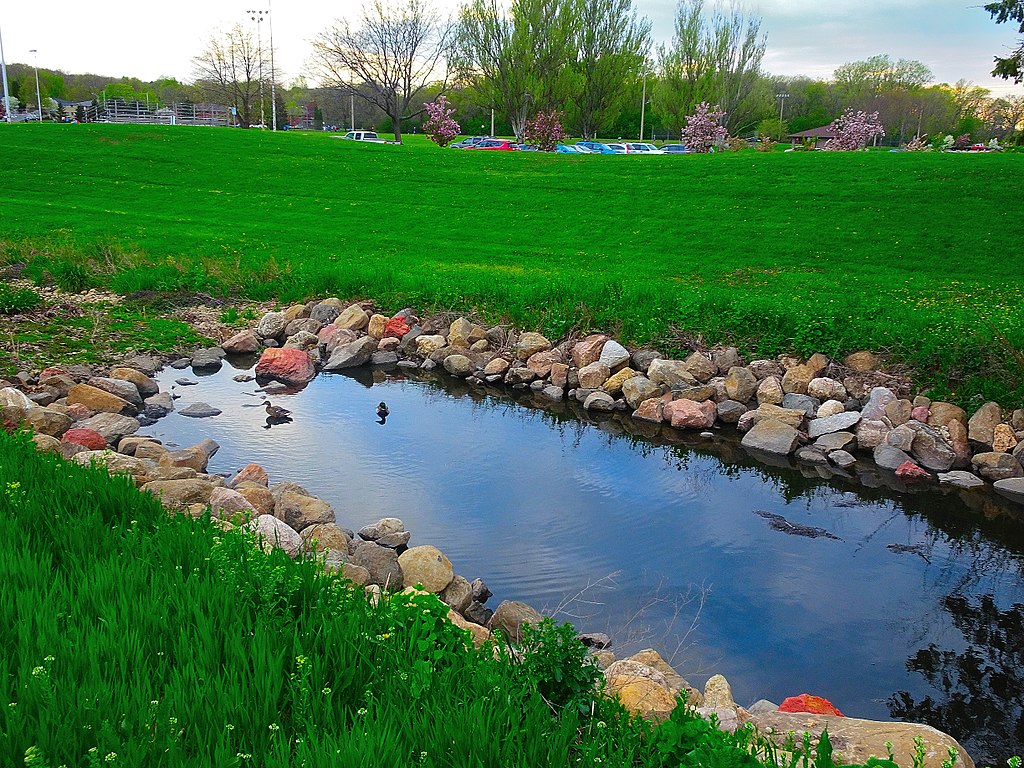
(653, 535)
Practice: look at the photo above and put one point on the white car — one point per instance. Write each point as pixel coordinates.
(363, 136)
(642, 148)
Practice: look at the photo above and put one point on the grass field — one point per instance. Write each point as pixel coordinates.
(917, 255)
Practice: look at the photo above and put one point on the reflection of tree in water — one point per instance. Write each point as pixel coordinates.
(982, 688)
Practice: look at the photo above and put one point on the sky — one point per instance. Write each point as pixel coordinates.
(957, 40)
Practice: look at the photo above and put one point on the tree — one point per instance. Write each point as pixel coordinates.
(860, 81)
(1011, 67)
(228, 71)
(545, 130)
(389, 58)
(440, 125)
(715, 58)
(853, 130)
(703, 130)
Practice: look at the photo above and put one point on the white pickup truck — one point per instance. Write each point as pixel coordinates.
(363, 136)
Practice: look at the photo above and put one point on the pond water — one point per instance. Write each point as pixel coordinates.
(912, 608)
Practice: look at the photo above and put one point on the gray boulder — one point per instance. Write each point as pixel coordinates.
(1012, 488)
(200, 411)
(959, 478)
(112, 426)
(352, 355)
(380, 562)
(772, 436)
(888, 457)
(123, 389)
(838, 423)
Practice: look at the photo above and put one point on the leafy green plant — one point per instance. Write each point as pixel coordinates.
(14, 300)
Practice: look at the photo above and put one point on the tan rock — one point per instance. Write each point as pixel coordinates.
(817, 363)
(740, 384)
(594, 375)
(861, 362)
(463, 333)
(792, 416)
(321, 536)
(982, 425)
(509, 618)
(676, 683)
(830, 408)
(192, 457)
(375, 328)
(613, 385)
(529, 344)
(300, 511)
(46, 443)
(497, 367)
(672, 373)
(1003, 438)
(425, 345)
(98, 401)
(855, 740)
(427, 566)
(718, 693)
(961, 445)
(899, 412)
(942, 413)
(261, 498)
(354, 318)
(296, 312)
(589, 350)
(479, 635)
(231, 505)
(542, 362)
(797, 379)
(642, 696)
(637, 669)
(700, 367)
(769, 391)
(142, 382)
(250, 473)
(825, 388)
(559, 375)
(148, 449)
(651, 409)
(178, 494)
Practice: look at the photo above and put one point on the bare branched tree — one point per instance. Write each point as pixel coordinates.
(228, 71)
(389, 59)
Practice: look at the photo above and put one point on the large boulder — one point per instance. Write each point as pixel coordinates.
(530, 344)
(381, 562)
(250, 473)
(301, 511)
(772, 436)
(180, 494)
(510, 617)
(740, 384)
(930, 448)
(145, 385)
(286, 364)
(325, 536)
(643, 696)
(426, 566)
(940, 414)
(981, 427)
(688, 414)
(700, 367)
(242, 343)
(997, 466)
(354, 318)
(99, 401)
(86, 438)
(1012, 488)
(112, 426)
(837, 423)
(47, 421)
(672, 373)
(797, 379)
(613, 354)
(275, 534)
(594, 375)
(14, 398)
(352, 355)
(589, 350)
(855, 740)
(272, 325)
(638, 388)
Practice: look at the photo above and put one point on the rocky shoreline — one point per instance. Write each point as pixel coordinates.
(826, 415)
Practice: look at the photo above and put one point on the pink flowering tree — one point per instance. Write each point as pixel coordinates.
(703, 130)
(545, 130)
(440, 125)
(853, 130)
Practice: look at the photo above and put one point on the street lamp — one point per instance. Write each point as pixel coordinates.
(3, 70)
(258, 16)
(39, 100)
(273, 79)
(782, 103)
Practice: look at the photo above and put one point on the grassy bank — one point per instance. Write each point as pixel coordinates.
(136, 639)
(912, 254)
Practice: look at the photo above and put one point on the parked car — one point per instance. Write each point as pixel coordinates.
(642, 148)
(497, 144)
(596, 147)
(363, 136)
(618, 148)
(527, 147)
(570, 149)
(675, 149)
(468, 142)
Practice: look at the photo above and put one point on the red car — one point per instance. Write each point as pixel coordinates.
(499, 144)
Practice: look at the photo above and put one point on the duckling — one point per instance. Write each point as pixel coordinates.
(276, 411)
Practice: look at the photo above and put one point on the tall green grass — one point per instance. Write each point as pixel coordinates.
(912, 254)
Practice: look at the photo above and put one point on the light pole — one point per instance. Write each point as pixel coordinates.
(7, 93)
(782, 103)
(643, 103)
(257, 16)
(273, 79)
(39, 101)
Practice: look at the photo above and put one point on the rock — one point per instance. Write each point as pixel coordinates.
(458, 594)
(497, 367)
(797, 379)
(641, 359)
(790, 416)
(1003, 438)
(642, 696)
(458, 365)
(675, 682)
(771, 436)
(718, 693)
(381, 562)
(740, 384)
(805, 403)
(226, 503)
(599, 401)
(354, 318)
(940, 414)
(179, 494)
(871, 433)
(376, 327)
(842, 459)
(209, 359)
(480, 591)
(769, 392)
(261, 498)
(144, 385)
(98, 400)
(899, 412)
(272, 325)
(383, 359)
(672, 373)
(594, 375)
(250, 473)
(613, 354)
(981, 427)
(111, 425)
(303, 340)
(324, 313)
(761, 706)
(44, 421)
(510, 617)
(613, 385)
(700, 367)
(811, 455)
(383, 527)
(806, 702)
(559, 375)
(86, 438)
(542, 362)
(478, 634)
(829, 408)
(300, 511)
(636, 670)
(920, 413)
(287, 365)
(688, 414)
(159, 405)
(463, 333)
(910, 472)
(396, 328)
(325, 536)
(961, 446)
(352, 354)
(838, 423)
(242, 343)
(147, 364)
(275, 534)
(826, 389)
(930, 449)
(861, 362)
(878, 399)
(730, 411)
(200, 411)
(996, 466)
(1012, 488)
(651, 409)
(46, 443)
(195, 457)
(698, 394)
(855, 740)
(530, 344)
(890, 458)
(589, 350)
(725, 358)
(764, 368)
(427, 344)
(428, 567)
(637, 389)
(960, 479)
(901, 437)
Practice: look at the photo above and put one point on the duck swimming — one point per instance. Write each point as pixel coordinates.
(276, 411)
(382, 410)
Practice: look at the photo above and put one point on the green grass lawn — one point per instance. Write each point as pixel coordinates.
(914, 254)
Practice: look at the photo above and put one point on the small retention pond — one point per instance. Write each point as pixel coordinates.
(912, 607)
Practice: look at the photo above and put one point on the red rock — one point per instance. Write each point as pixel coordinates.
(87, 438)
(53, 370)
(689, 414)
(805, 702)
(291, 366)
(396, 328)
(252, 473)
(911, 473)
(920, 413)
(589, 350)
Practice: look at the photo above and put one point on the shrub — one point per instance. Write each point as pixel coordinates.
(703, 131)
(736, 144)
(14, 300)
(440, 125)
(766, 144)
(545, 130)
(854, 130)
